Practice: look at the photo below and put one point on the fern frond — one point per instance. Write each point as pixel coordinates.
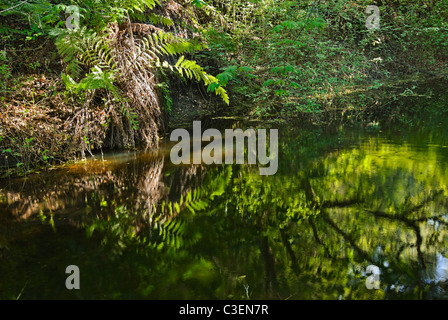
(97, 79)
(165, 43)
(192, 70)
(84, 48)
(158, 19)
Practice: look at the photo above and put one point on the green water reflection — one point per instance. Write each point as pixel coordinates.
(139, 227)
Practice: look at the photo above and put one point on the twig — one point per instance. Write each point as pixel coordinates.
(14, 6)
(20, 294)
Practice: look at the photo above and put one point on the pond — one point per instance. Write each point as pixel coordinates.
(344, 202)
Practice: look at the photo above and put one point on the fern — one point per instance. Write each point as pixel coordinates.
(114, 10)
(87, 49)
(97, 79)
(84, 48)
(157, 19)
(88, 52)
(162, 44)
(68, 47)
(192, 70)
(165, 43)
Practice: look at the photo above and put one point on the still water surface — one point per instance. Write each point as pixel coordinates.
(139, 227)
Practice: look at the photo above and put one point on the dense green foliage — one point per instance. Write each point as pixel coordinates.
(106, 67)
(292, 58)
(140, 227)
(112, 81)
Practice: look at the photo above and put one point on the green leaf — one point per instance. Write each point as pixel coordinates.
(198, 3)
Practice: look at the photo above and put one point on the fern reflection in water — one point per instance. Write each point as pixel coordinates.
(138, 227)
